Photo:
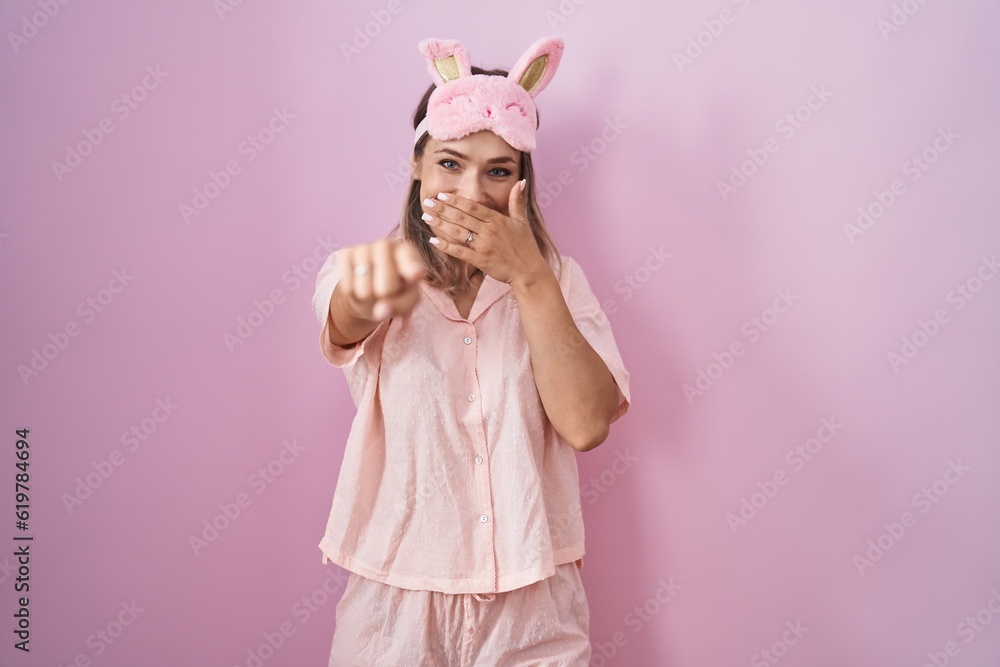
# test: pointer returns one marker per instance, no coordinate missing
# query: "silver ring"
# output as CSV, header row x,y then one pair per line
x,y
468,241
362,269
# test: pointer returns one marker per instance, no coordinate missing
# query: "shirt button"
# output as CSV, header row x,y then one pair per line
x,y
483,518
468,340
472,397
479,459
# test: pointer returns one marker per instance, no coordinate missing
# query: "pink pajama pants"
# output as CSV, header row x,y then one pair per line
x,y
544,624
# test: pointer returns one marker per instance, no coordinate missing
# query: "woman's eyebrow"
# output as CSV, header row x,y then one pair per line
x,y
494,160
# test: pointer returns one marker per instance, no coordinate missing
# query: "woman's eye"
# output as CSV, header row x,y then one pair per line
x,y
451,165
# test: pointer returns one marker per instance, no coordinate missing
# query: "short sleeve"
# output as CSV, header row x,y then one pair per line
x,y
594,325
326,281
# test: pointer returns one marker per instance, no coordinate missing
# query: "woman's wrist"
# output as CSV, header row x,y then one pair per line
x,y
346,325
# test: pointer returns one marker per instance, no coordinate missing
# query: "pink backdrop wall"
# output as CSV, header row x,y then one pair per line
x,y
827,492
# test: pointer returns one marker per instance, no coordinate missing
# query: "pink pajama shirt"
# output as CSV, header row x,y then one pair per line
x,y
453,481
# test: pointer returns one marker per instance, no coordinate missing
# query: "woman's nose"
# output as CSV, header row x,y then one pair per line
x,y
472,188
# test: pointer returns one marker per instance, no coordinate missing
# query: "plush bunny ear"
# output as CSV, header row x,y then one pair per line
x,y
447,59
536,66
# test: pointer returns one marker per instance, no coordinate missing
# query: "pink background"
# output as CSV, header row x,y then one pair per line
x,y
671,134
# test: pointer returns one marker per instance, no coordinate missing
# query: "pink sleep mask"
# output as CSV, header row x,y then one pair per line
x,y
464,103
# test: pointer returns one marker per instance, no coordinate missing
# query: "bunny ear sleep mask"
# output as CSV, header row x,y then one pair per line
x,y
464,103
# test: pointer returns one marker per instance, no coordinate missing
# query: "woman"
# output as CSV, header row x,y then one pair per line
x,y
480,363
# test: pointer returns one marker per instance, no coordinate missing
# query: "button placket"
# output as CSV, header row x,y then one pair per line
x,y
472,397
481,472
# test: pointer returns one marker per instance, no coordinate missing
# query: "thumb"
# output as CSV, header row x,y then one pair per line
x,y
516,204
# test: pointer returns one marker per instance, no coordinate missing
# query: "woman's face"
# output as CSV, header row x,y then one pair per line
x,y
481,167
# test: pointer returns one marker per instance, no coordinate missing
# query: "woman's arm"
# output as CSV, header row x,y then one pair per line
x,y
577,390
345,328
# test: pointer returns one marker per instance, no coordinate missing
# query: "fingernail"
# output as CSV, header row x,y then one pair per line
x,y
522,183
429,203
443,196
381,310
427,216
435,240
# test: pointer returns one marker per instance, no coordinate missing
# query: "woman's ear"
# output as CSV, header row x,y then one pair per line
x,y
415,165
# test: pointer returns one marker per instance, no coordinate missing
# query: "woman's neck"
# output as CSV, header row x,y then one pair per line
x,y
471,271
476,277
